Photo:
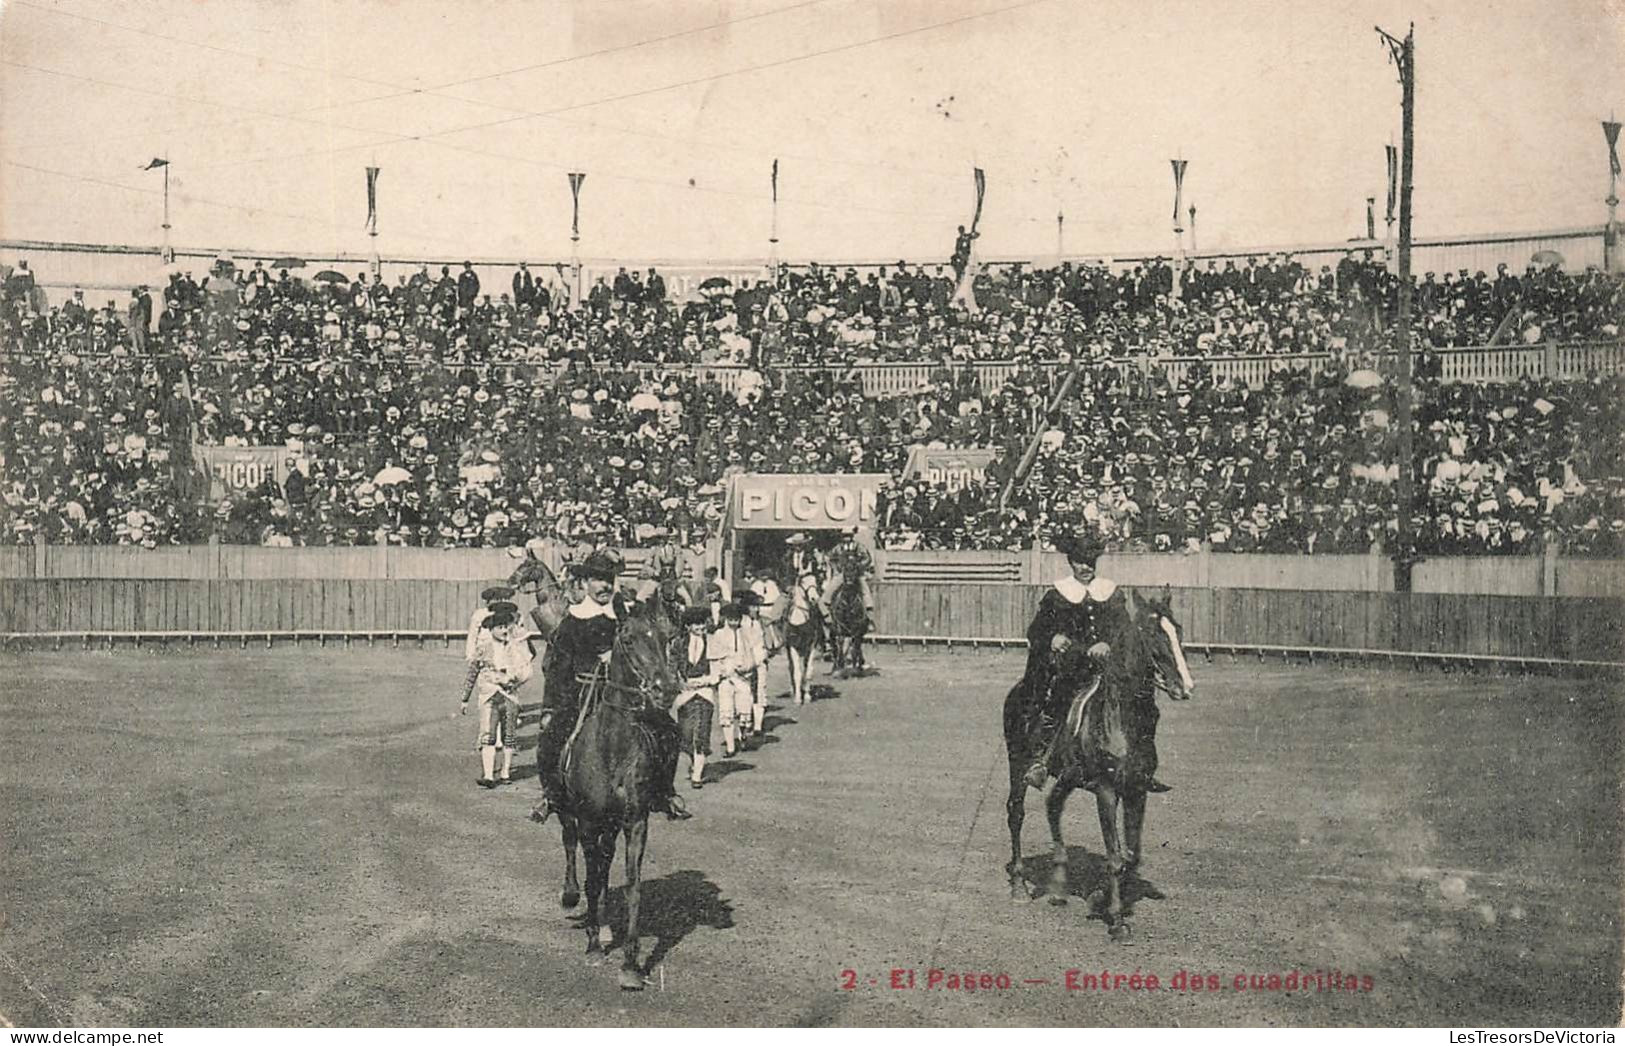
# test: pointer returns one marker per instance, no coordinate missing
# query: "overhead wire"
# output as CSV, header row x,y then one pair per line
x,y
434,136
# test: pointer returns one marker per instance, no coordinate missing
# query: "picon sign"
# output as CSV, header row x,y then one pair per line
x,y
790,501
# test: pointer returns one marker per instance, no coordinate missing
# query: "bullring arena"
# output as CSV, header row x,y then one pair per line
x,y
394,401
287,836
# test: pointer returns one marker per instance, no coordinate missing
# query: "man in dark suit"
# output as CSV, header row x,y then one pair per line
x,y
581,642
140,316
524,286
468,287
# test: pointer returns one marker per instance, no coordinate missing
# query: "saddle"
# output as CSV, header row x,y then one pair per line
x,y
1076,716
592,691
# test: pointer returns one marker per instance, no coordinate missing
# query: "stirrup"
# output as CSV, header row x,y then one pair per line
x,y
542,810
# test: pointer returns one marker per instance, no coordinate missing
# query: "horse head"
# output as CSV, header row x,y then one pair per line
x,y
552,605
639,660
1159,631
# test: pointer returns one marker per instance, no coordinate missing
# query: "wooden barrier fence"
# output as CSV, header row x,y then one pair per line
x,y
1569,629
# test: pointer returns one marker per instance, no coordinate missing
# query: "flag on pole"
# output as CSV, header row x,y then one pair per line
x,y
1393,180
160,162
1610,130
576,178
1179,185
372,199
981,192
775,181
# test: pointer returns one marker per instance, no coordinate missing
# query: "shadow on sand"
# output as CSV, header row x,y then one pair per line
x,y
1086,873
672,907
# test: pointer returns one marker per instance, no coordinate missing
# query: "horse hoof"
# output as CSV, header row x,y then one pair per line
x,y
1097,898
1120,932
632,981
1020,893
606,936
1057,899
595,957
569,899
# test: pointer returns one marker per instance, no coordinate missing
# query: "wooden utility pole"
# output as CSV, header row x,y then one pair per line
x,y
1403,53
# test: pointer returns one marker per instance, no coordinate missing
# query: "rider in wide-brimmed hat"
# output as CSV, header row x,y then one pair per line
x,y
580,645
1082,610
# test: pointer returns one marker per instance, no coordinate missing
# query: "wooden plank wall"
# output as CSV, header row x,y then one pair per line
x,y
285,605
1567,628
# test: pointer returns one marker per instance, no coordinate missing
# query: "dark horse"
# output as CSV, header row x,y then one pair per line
x,y
610,768
535,578
848,624
1109,747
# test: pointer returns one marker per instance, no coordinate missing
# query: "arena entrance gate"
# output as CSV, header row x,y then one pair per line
x,y
764,509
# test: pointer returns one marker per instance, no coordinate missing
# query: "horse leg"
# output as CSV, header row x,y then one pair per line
x,y
1133,823
637,836
1054,804
597,874
1106,801
571,896
1015,812
795,673
606,854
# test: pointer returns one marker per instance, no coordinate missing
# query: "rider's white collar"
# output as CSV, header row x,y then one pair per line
x,y
1075,591
588,609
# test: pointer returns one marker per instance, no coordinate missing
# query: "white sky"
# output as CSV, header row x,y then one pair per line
x,y
270,111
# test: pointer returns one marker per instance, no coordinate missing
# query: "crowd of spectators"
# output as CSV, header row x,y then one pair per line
x,y
427,413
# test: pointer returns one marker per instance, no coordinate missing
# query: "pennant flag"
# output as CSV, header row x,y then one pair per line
x,y
1370,217
1610,130
372,199
159,162
981,192
1179,185
576,178
1393,180
775,181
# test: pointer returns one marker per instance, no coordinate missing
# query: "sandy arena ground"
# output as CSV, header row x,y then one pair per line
x,y
294,836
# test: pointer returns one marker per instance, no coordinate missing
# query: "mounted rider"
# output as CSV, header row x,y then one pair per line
x,y
849,560
575,656
660,577
1082,611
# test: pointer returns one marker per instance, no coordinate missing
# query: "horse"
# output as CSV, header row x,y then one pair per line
x,y
535,578
1109,748
609,770
848,624
801,628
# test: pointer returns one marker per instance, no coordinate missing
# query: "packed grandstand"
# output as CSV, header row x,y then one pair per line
x,y
434,412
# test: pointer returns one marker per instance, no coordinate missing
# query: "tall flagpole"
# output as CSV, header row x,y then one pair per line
x,y
372,218
576,178
1179,184
1192,213
773,230
169,252
1611,261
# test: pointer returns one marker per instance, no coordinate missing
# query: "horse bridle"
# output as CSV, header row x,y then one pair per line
x,y
646,690
1159,677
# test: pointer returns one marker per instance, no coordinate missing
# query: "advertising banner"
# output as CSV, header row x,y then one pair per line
x,y
787,501
955,467
234,471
